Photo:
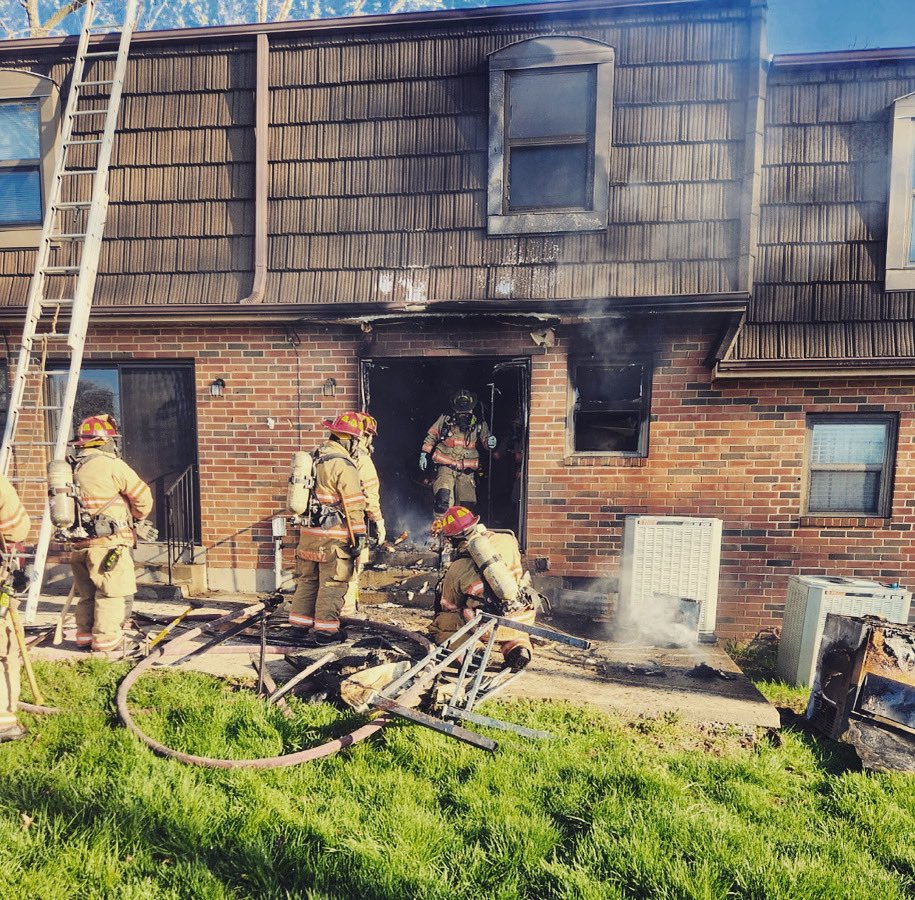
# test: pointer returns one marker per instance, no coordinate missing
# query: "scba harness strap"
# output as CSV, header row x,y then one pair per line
x,y
326,515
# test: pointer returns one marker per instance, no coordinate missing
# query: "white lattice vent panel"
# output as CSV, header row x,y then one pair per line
x,y
671,555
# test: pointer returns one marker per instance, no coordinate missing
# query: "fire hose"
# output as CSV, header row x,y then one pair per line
x,y
270,762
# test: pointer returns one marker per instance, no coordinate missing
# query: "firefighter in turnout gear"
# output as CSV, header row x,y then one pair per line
x,y
453,441
332,536
368,477
111,497
465,589
14,526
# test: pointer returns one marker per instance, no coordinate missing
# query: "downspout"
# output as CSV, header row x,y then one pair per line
x,y
261,164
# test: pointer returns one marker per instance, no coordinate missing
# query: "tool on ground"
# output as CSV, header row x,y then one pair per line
x,y
300,677
67,260
472,686
62,618
238,628
168,628
270,686
16,625
262,657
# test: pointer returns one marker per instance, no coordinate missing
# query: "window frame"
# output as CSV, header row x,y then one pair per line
x,y
887,469
554,52
900,232
577,362
17,85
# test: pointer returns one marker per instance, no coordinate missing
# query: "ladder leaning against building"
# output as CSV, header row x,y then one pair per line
x,y
63,284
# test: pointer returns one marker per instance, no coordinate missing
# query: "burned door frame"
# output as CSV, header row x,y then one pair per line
x,y
522,364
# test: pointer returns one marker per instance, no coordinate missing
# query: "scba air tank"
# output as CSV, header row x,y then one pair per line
x,y
301,481
61,499
493,568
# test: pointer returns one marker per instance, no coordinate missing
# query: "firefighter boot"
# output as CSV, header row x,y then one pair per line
x,y
517,658
12,733
324,638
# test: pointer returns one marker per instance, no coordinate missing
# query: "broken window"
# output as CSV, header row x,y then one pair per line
x,y
610,408
900,238
550,105
850,464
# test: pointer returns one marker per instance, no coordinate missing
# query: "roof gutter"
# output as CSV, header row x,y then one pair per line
x,y
835,57
357,313
261,164
364,23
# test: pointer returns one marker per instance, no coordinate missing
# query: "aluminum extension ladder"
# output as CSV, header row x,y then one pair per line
x,y
473,684
63,284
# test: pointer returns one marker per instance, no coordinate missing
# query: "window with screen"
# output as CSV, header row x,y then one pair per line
x,y
20,162
610,408
550,140
549,120
28,133
850,464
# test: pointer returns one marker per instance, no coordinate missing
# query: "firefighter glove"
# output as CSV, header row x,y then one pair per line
x,y
491,442
380,531
359,545
423,462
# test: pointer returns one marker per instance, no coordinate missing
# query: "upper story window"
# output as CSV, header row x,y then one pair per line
x,y
550,104
610,408
900,236
20,162
850,462
28,131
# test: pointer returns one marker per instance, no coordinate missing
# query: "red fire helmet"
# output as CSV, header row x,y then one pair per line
x,y
346,424
457,520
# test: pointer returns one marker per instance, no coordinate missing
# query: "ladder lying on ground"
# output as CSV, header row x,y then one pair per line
x,y
62,287
473,684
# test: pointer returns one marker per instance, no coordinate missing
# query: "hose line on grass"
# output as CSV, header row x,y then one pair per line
x,y
269,762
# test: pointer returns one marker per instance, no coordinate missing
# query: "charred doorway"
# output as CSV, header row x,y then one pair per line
x,y
407,394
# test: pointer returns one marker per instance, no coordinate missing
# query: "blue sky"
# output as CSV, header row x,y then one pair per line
x,y
797,26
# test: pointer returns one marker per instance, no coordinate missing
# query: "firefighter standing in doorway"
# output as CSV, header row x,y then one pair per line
x,y
112,498
453,441
465,589
371,487
14,526
333,537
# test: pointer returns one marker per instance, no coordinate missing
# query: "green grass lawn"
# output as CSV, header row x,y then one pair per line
x,y
655,808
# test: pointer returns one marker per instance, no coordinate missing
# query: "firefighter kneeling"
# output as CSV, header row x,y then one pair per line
x,y
332,536
111,496
485,575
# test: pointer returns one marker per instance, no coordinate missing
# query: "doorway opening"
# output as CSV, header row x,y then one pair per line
x,y
407,394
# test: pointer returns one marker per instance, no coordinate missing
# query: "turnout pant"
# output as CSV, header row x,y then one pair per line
x,y
102,596
9,673
451,487
321,585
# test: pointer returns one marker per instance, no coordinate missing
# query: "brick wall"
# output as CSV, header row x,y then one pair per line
x,y
733,450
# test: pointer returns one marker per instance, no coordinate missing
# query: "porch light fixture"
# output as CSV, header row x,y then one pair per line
x,y
330,387
217,387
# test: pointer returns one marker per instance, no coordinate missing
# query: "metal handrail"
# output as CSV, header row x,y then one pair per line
x,y
181,518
